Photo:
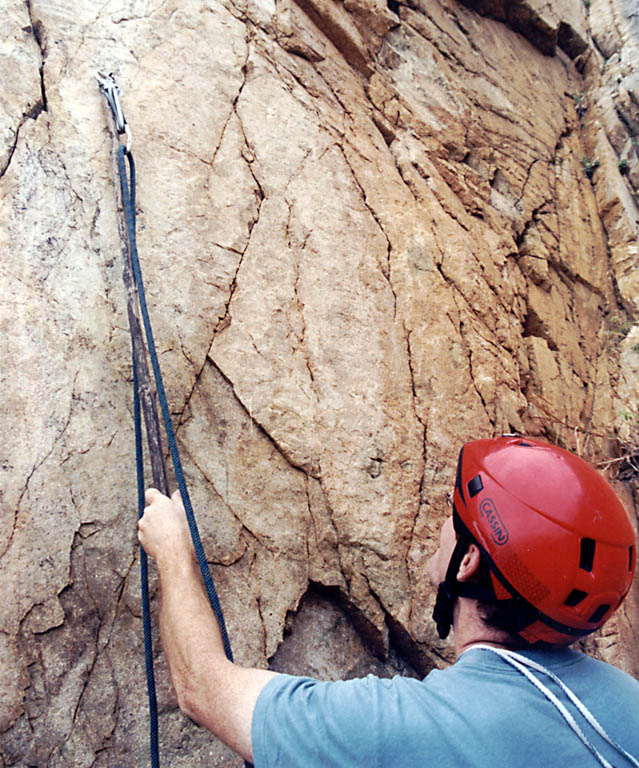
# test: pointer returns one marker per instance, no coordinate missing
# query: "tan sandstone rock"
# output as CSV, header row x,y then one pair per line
x,y
369,232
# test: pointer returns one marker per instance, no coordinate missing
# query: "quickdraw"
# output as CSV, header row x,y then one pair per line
x,y
143,395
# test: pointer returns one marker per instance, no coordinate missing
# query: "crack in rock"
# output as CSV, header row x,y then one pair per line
x,y
39,36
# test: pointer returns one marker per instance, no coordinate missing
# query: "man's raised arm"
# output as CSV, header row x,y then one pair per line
x,y
211,690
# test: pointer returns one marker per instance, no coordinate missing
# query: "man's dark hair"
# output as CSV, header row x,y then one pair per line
x,y
499,614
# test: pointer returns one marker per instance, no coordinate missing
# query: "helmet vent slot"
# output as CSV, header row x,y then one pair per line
x,y
631,558
575,597
587,555
524,444
458,479
599,613
475,486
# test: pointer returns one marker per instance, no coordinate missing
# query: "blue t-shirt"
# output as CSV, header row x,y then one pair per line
x,y
478,712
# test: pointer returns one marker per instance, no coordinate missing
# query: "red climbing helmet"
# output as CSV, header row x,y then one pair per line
x,y
558,542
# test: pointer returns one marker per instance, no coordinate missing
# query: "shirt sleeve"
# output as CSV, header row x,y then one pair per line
x,y
299,721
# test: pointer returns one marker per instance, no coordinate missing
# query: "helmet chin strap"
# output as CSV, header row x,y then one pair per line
x,y
450,589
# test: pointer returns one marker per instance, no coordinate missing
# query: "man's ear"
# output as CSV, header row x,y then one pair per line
x,y
469,564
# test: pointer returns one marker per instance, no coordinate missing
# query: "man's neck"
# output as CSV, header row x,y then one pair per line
x,y
469,629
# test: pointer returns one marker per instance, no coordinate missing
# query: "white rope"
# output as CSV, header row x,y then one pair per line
x,y
523,665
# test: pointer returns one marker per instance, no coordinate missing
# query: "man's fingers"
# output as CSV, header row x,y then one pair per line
x,y
151,495
177,498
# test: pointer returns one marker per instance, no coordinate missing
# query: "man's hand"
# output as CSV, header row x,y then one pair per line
x,y
163,530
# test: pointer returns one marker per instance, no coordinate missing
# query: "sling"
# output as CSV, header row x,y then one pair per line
x,y
523,665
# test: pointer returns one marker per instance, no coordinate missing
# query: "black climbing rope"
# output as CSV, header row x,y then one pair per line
x,y
143,401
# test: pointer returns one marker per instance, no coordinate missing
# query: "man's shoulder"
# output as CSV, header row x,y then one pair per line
x,y
609,675
584,674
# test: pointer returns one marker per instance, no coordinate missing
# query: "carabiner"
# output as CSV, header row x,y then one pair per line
x,y
111,92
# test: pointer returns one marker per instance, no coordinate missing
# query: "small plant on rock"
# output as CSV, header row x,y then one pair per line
x,y
590,166
623,167
619,326
626,464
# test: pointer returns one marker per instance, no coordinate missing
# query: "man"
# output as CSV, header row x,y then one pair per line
x,y
539,552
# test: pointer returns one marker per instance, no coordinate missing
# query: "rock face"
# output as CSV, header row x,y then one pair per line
x,y
369,233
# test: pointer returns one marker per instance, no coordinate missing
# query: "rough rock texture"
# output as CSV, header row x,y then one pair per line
x,y
369,232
